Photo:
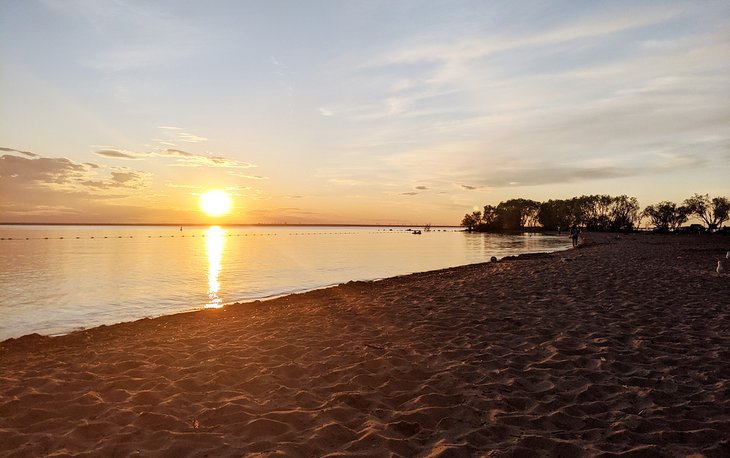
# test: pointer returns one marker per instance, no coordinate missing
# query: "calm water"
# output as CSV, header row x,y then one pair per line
x,y
55,279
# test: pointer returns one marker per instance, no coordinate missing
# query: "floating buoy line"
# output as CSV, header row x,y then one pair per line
x,y
99,237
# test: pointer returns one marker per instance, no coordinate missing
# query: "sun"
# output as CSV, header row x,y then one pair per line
x,y
216,202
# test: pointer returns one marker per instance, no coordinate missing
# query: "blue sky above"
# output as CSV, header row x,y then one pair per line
x,y
361,112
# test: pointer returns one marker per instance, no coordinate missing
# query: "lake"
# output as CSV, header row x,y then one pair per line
x,y
56,279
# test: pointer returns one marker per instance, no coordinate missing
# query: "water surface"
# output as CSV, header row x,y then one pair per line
x,y
55,279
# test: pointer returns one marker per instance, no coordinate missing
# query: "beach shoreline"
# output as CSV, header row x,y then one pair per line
x,y
620,346
258,300
128,274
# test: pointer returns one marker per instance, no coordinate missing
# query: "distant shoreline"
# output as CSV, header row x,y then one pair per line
x,y
224,225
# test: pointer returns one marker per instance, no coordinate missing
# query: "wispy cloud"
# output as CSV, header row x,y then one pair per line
x,y
250,177
182,158
151,37
163,142
171,134
184,186
187,159
12,150
345,181
39,210
174,153
277,63
600,24
118,154
191,138
282,76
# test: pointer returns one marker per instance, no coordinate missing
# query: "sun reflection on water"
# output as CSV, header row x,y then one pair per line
x,y
215,239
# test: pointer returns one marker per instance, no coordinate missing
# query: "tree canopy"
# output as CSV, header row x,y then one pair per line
x,y
597,213
713,211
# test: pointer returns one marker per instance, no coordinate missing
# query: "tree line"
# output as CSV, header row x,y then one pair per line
x,y
597,213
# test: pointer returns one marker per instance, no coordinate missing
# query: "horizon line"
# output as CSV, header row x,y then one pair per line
x,y
226,224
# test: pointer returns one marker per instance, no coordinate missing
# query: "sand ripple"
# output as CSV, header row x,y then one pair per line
x,y
618,349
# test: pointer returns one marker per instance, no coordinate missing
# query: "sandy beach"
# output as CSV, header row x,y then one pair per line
x,y
619,348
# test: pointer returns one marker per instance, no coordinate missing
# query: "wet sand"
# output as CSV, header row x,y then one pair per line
x,y
619,348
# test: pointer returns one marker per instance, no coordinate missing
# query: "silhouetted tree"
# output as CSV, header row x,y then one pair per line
x,y
625,213
555,214
666,216
471,221
595,212
517,213
489,216
713,211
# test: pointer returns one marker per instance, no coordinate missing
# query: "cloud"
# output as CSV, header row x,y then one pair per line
x,y
184,186
61,175
548,174
278,63
163,142
175,153
131,180
197,160
117,154
552,175
39,210
125,177
421,188
191,138
467,187
182,158
173,133
472,48
324,111
11,150
250,177
96,184
345,181
132,37
410,193
41,170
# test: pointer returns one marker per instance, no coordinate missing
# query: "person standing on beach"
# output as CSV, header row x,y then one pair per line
x,y
574,231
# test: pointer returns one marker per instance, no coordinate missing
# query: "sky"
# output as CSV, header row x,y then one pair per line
x,y
360,112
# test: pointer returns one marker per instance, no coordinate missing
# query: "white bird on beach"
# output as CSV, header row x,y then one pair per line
x,y
720,268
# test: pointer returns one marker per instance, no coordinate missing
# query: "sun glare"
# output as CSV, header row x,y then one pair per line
x,y
214,243
216,202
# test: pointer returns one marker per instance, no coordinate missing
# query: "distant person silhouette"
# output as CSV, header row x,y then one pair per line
x,y
574,231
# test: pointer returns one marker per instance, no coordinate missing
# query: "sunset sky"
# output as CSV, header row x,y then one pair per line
x,y
375,112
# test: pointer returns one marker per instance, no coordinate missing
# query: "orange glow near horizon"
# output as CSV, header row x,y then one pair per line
x,y
216,203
